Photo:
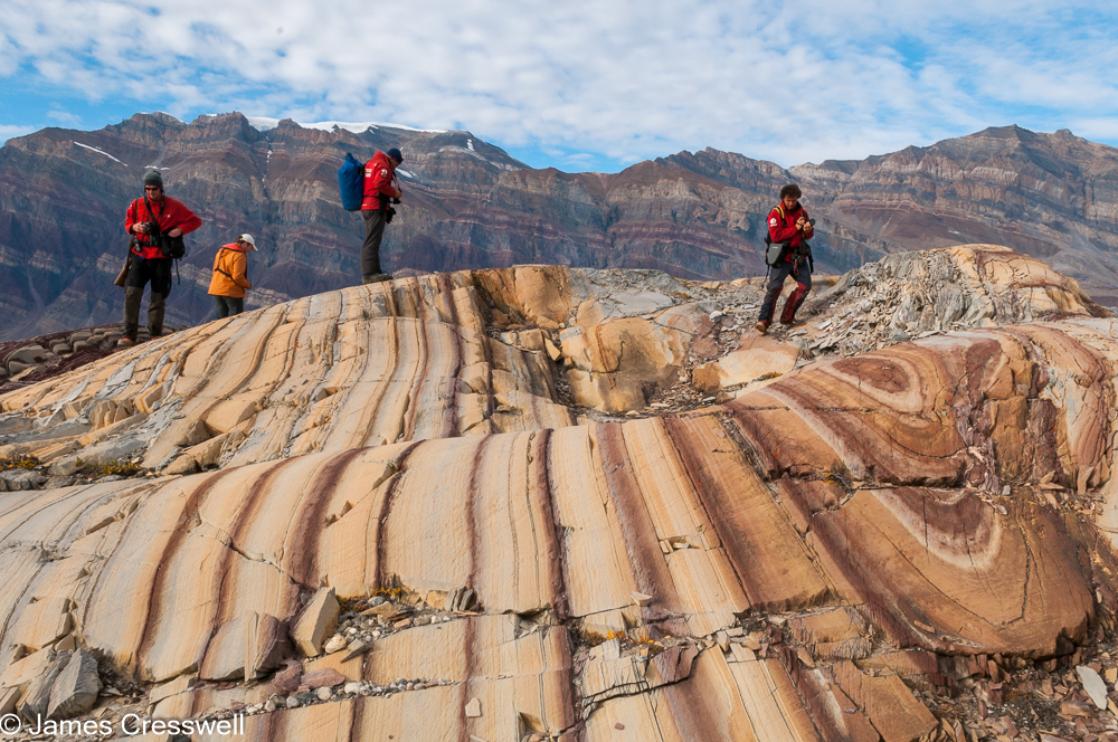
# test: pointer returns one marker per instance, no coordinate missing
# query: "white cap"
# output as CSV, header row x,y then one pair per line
x,y
246,237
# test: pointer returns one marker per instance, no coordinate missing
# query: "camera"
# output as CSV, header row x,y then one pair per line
x,y
389,214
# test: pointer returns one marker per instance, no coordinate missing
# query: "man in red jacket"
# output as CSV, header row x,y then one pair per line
x,y
790,226
146,220
380,189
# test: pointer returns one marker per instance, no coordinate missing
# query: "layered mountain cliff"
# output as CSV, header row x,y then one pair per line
x,y
1053,196
469,205
543,502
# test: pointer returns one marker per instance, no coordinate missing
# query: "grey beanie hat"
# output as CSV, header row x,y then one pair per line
x,y
153,178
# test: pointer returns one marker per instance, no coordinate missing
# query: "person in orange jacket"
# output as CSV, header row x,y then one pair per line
x,y
380,189
230,278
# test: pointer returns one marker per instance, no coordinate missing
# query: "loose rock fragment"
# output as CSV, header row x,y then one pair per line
x,y
318,620
324,678
1093,684
8,698
336,643
36,701
75,690
267,645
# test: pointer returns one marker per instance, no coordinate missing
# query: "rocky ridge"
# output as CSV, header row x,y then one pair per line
x,y
892,521
470,205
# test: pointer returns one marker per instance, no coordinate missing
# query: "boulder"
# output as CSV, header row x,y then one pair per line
x,y
75,689
27,355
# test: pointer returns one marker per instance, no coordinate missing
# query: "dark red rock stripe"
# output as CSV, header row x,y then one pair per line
x,y
646,561
178,535
309,524
380,577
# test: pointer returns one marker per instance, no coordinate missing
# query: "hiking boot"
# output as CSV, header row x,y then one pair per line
x,y
125,342
762,326
376,278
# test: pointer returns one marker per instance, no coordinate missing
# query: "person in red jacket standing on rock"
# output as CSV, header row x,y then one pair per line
x,y
380,190
790,226
148,219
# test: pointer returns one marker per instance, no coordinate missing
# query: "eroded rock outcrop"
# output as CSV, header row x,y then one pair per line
x,y
840,547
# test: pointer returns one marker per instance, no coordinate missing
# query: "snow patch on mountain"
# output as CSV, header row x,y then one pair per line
x,y
100,152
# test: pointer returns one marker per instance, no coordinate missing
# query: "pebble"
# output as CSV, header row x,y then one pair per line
x,y
352,688
323,694
336,643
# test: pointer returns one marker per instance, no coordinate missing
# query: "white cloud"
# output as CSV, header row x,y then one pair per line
x,y
10,131
61,116
1096,128
629,80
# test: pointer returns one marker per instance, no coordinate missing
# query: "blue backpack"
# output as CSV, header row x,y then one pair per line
x,y
351,183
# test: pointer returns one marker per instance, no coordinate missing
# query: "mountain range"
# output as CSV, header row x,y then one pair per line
x,y
468,203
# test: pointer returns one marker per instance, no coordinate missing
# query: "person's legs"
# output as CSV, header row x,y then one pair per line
x,y
222,307
138,277
236,304
156,306
370,250
160,288
802,276
777,274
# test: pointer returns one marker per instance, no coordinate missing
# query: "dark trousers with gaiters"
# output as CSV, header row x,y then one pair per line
x,y
141,272
801,274
370,250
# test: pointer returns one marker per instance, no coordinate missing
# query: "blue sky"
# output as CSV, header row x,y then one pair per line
x,y
579,86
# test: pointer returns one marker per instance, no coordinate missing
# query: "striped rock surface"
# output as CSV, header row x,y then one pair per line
x,y
804,560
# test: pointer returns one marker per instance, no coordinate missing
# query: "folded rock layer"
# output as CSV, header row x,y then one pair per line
x,y
809,556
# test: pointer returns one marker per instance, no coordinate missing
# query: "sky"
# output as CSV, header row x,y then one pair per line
x,y
581,86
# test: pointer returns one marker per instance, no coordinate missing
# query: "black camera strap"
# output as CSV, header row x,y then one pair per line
x,y
158,232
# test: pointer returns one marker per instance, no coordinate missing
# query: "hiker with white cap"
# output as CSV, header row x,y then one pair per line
x,y
230,278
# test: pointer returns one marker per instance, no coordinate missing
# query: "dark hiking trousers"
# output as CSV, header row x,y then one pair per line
x,y
227,305
800,272
370,251
141,272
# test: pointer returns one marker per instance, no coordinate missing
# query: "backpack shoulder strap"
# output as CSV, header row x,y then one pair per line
x,y
780,210
218,269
